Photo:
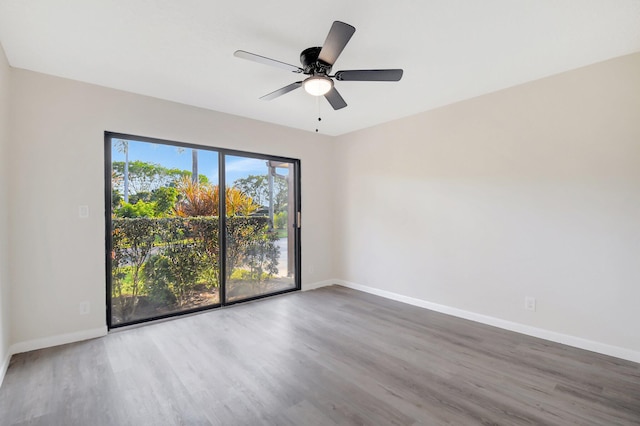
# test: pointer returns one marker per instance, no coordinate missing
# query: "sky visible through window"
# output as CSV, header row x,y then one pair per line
x,y
180,158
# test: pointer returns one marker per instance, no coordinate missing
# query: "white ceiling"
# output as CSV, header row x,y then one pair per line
x,y
182,51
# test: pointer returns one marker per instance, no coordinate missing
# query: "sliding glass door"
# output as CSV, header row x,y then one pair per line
x,y
265,262
176,245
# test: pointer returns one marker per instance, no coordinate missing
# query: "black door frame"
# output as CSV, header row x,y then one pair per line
x,y
222,153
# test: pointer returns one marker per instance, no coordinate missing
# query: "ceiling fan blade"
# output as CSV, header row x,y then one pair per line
x,y
369,75
281,91
335,99
338,37
266,61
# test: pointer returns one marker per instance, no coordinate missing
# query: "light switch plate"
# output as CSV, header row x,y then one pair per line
x,y
83,211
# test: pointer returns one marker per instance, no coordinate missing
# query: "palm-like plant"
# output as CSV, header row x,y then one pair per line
x,y
201,199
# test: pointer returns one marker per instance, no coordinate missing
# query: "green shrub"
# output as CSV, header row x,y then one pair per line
x,y
280,220
247,275
165,199
262,255
185,257
166,258
205,233
243,233
132,240
158,278
139,209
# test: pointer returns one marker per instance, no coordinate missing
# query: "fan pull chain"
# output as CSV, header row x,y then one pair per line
x,y
319,118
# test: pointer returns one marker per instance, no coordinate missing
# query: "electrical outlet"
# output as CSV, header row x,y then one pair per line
x,y
530,303
311,269
84,308
83,211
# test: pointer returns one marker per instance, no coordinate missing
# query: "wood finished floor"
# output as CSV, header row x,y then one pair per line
x,y
323,357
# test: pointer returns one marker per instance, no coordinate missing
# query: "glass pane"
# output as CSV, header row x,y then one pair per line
x,y
164,230
260,211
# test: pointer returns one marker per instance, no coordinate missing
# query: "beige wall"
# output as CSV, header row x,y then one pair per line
x,y
530,191
4,220
58,164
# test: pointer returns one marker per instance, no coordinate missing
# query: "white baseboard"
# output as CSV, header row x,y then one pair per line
x,y
553,336
60,339
313,286
578,342
47,342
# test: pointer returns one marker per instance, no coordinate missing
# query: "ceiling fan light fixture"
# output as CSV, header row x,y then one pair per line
x,y
317,85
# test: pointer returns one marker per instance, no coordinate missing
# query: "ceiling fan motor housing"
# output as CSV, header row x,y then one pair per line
x,y
312,65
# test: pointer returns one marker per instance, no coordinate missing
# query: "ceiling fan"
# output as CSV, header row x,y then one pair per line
x,y
317,63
